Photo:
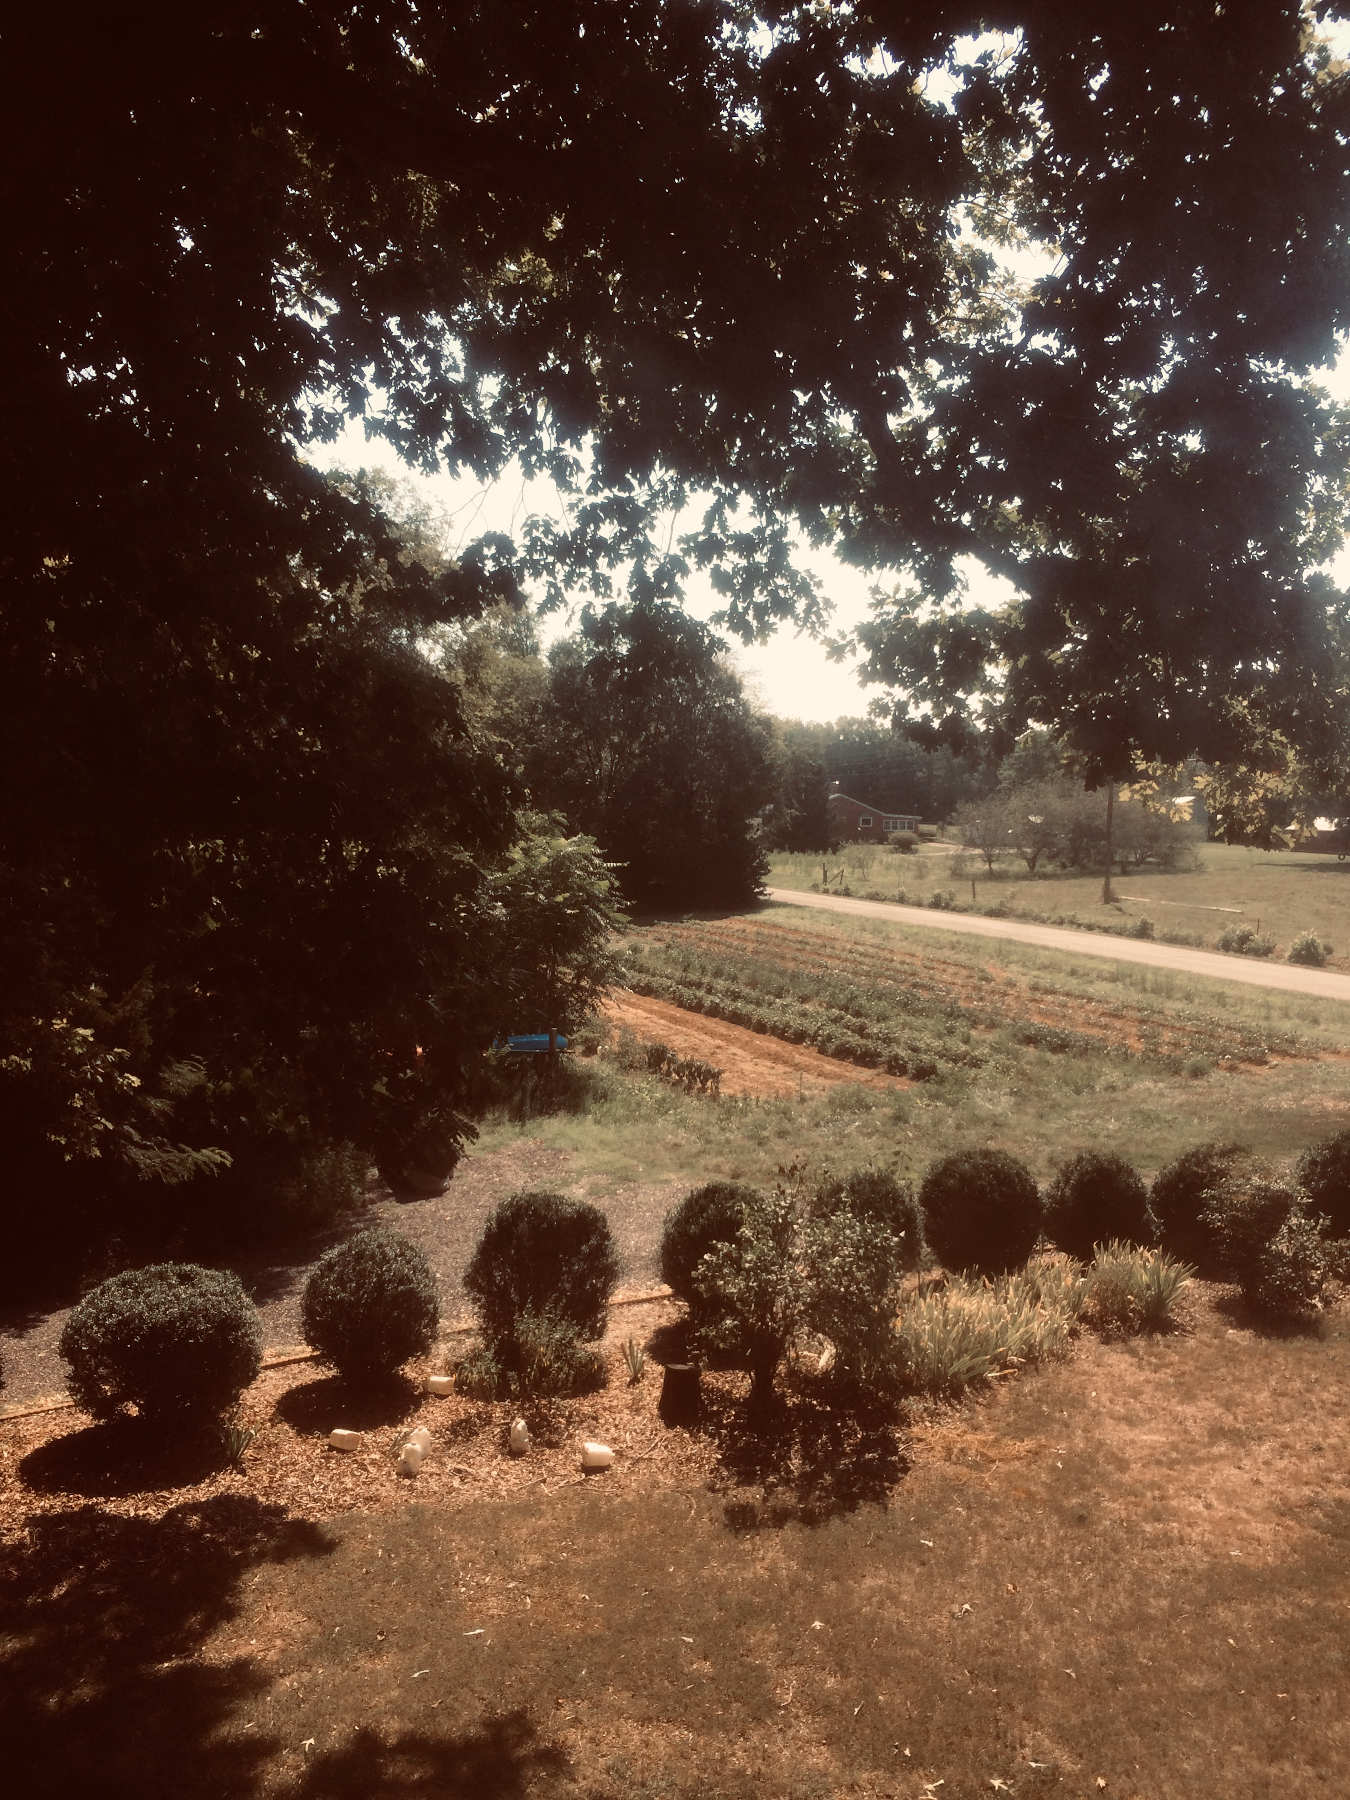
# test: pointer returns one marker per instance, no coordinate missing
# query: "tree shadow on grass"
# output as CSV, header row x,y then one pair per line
x,y
102,1620
504,1759
1245,1317
814,1455
318,1407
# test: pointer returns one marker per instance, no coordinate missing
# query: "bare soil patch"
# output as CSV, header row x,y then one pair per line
x,y
751,1062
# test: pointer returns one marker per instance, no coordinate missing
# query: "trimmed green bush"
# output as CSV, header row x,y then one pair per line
x,y
542,1252
1183,1190
1245,940
370,1304
982,1210
1323,1173
1310,950
707,1216
876,1195
1094,1198
1288,1276
173,1340
1244,1213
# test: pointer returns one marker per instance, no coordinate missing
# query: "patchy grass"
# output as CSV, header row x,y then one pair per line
x,y
1283,893
1120,1575
1138,1080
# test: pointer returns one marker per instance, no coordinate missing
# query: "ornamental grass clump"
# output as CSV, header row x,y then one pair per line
x,y
970,1331
1095,1198
1132,1290
176,1342
369,1305
982,1211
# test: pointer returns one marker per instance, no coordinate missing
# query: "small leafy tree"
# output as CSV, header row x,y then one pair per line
x,y
788,1272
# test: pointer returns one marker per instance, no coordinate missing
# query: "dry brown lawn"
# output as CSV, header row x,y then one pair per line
x,y
1122,1576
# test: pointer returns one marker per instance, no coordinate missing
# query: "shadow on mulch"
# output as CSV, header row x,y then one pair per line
x,y
504,1759
102,1618
316,1407
813,1456
122,1457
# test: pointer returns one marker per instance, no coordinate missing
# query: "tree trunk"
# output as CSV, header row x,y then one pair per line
x,y
1107,895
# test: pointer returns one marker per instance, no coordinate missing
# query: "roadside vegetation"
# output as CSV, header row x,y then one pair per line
x,y
1282,895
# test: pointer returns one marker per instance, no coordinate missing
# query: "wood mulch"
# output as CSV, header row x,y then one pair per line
x,y
52,1460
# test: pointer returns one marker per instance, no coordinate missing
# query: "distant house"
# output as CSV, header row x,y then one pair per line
x,y
853,820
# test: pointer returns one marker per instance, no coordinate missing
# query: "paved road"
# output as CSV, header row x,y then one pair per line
x,y
1292,979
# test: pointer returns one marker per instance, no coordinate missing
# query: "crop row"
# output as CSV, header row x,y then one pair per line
x,y
798,1022
777,960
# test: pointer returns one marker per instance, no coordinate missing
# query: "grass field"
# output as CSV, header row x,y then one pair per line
x,y
1143,1062
1283,893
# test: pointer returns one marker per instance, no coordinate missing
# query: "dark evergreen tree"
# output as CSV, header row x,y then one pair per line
x,y
647,742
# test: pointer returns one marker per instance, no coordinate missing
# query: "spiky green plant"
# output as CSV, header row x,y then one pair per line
x,y
1131,1290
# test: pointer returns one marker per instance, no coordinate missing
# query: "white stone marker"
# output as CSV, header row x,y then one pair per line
x,y
346,1440
410,1459
422,1438
440,1384
596,1456
518,1438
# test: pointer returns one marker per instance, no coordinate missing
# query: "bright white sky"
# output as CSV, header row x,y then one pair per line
x,y
790,675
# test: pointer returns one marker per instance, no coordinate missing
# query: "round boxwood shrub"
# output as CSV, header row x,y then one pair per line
x,y
1323,1173
543,1253
173,1340
1244,1214
710,1215
370,1304
876,1194
981,1210
1287,1277
1096,1198
1183,1190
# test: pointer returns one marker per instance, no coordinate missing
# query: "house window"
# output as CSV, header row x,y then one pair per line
x,y
864,820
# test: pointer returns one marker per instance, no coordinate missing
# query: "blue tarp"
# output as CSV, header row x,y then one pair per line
x,y
532,1042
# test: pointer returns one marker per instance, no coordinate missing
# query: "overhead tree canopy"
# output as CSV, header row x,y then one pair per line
x,y
739,252
664,252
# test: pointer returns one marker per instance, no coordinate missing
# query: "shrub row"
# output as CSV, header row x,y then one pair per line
x,y
177,1342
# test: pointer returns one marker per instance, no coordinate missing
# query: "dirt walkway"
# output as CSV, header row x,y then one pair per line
x,y
1290,978
751,1062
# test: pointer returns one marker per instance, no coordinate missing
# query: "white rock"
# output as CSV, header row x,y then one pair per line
x,y
596,1456
440,1384
518,1438
409,1459
346,1440
422,1438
